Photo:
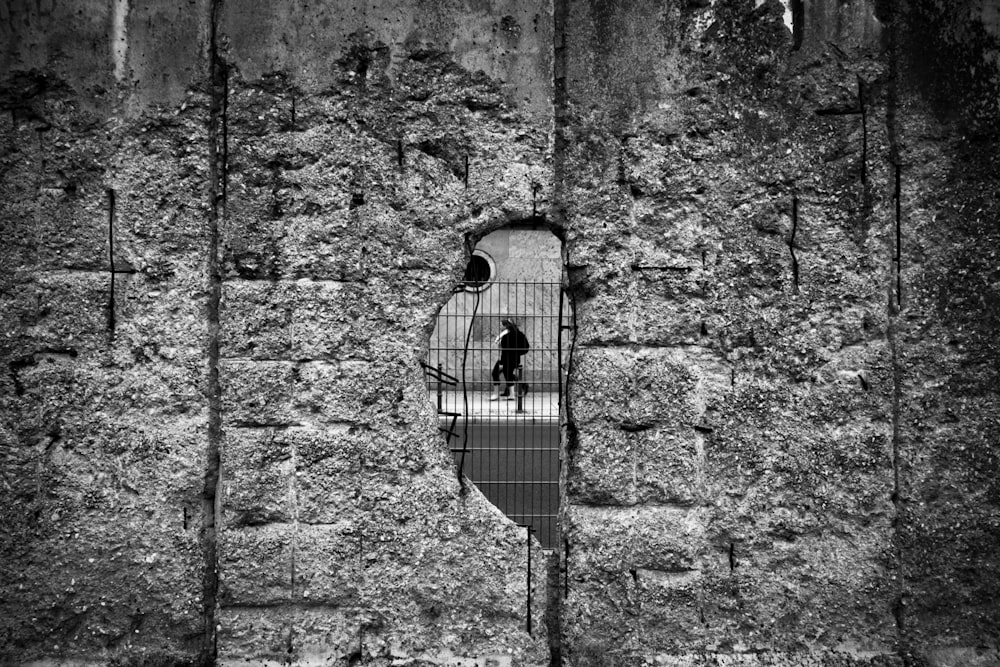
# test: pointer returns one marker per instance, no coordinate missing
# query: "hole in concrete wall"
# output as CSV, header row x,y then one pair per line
x,y
496,374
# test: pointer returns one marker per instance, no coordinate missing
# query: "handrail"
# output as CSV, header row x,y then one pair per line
x,y
439,374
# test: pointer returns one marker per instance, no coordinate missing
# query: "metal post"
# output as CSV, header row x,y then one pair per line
x,y
517,388
440,392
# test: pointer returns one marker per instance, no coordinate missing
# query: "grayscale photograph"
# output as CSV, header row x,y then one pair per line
x,y
500,333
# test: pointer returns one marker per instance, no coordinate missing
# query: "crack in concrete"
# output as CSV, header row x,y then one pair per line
x,y
892,334
217,163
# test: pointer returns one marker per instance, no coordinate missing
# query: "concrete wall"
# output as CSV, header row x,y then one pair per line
x,y
731,476
103,336
524,255
228,227
780,435
944,138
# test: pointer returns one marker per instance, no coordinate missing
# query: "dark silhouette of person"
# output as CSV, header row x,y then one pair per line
x,y
513,345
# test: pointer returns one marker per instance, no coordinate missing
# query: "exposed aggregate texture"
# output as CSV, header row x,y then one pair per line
x,y
228,227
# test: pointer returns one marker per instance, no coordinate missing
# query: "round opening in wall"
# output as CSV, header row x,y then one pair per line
x,y
479,272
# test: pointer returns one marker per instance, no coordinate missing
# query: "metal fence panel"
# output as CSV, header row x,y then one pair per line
x,y
509,447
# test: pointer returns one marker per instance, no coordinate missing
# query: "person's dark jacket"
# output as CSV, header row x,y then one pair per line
x,y
515,342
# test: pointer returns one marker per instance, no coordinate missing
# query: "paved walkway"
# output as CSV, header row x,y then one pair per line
x,y
536,406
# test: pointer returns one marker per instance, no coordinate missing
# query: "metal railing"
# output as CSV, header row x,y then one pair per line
x,y
507,445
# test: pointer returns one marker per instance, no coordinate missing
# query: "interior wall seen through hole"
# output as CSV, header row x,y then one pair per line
x,y
501,417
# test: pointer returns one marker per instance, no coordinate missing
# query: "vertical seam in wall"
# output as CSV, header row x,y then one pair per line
x,y
293,493
216,208
560,13
892,334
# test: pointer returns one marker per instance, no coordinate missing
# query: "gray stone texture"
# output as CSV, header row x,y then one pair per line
x,y
338,205
346,217
228,228
945,333
103,394
743,476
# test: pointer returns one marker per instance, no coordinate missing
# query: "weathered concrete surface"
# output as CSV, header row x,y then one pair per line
x,y
508,41
103,350
227,230
362,147
336,192
945,333
741,470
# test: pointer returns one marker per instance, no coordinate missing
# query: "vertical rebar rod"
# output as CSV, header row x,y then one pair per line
x,y
111,262
565,568
528,596
559,326
465,392
440,391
